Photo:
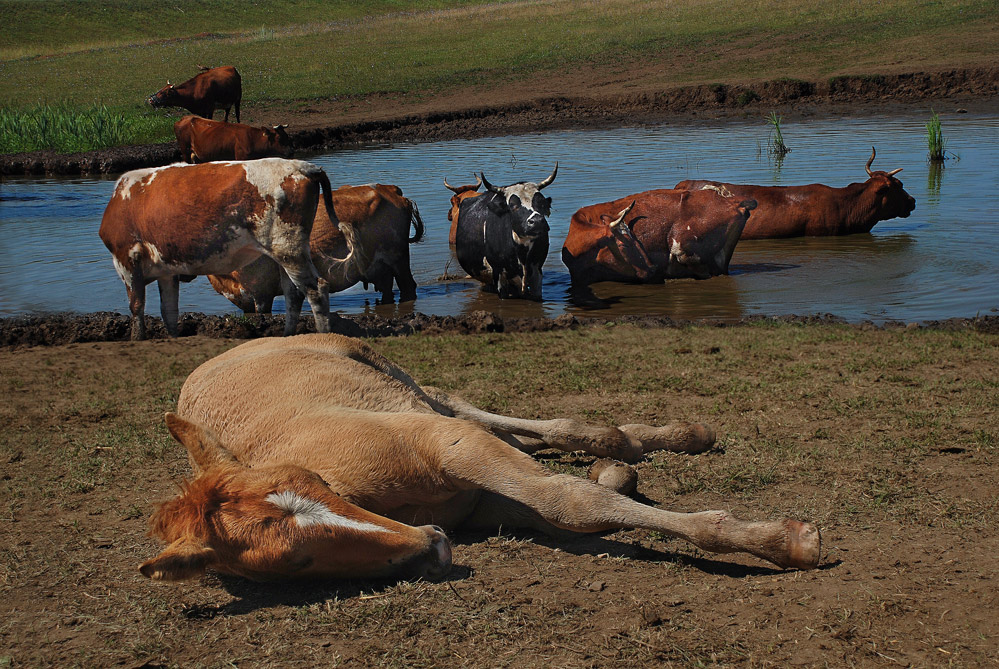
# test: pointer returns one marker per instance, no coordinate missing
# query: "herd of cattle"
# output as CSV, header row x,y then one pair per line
x,y
244,213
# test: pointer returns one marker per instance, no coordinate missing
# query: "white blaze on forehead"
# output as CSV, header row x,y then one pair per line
x,y
525,192
310,512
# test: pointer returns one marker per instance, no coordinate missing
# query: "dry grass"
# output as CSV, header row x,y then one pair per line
x,y
884,438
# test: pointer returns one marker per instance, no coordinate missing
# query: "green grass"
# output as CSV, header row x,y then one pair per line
x,y
68,129
777,147
934,139
301,50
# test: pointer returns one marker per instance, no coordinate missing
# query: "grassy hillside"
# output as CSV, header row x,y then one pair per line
x,y
116,53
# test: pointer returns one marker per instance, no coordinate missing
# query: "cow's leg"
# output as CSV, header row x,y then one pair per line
x,y
404,279
137,303
473,458
170,303
627,442
236,105
306,280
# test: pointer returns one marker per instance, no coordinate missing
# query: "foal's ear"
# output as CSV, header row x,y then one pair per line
x,y
202,443
183,559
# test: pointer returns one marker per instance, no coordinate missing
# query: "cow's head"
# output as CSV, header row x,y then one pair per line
x,y
890,198
278,521
278,141
701,246
165,97
524,206
611,245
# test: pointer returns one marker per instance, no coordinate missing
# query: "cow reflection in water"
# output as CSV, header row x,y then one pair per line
x,y
316,456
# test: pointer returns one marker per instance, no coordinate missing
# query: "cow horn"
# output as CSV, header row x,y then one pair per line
x,y
550,178
168,83
456,189
869,162
620,217
894,172
489,186
282,125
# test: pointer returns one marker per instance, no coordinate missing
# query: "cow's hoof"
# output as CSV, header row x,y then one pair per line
x,y
804,543
617,476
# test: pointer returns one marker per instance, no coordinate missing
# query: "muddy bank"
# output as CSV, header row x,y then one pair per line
x,y
957,89
59,329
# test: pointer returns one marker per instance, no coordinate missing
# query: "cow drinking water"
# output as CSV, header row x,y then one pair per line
x,y
202,140
501,238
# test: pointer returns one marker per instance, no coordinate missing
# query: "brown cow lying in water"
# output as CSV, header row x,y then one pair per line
x,y
202,140
316,456
818,210
171,224
380,218
655,235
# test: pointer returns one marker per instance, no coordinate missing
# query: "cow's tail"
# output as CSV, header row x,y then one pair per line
x,y
416,221
327,191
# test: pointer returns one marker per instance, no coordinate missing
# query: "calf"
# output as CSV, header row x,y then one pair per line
x,y
378,253
215,88
316,456
655,235
170,224
502,237
818,210
202,140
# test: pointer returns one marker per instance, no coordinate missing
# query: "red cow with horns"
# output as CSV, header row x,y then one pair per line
x,y
817,210
215,88
655,235
202,140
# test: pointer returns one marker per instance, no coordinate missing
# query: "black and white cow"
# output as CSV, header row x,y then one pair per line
x,y
502,237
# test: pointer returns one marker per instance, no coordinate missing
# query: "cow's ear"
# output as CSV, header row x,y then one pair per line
x,y
498,205
183,559
202,444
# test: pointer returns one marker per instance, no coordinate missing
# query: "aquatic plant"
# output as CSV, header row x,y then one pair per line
x,y
777,147
68,129
935,140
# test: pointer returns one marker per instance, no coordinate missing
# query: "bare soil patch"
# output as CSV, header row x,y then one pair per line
x,y
885,437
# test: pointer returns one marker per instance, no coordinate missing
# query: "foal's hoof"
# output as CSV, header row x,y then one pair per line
x,y
675,437
615,475
804,543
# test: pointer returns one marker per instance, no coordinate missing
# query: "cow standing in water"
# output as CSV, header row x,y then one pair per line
x,y
215,88
316,456
655,235
380,218
460,193
502,237
202,140
819,210
170,224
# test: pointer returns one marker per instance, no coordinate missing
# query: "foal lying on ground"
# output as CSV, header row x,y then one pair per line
x,y
316,456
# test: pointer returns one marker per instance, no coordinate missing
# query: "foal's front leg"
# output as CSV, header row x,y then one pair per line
x,y
627,442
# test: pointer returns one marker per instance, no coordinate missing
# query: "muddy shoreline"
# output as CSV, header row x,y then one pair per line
x,y
60,329
953,90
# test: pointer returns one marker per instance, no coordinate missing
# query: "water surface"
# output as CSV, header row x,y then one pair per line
x,y
940,262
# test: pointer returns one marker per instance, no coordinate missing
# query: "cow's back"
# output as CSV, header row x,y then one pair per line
x,y
470,236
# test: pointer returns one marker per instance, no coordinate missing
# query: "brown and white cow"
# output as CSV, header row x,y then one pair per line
x,y
202,140
170,224
460,193
819,210
297,443
215,88
380,218
655,235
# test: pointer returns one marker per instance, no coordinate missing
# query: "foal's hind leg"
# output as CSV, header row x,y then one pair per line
x,y
473,458
627,442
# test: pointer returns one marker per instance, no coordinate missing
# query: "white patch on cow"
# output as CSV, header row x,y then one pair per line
x,y
308,512
521,241
526,193
128,180
675,249
267,174
721,190
123,273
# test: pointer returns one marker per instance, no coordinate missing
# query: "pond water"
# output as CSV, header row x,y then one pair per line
x,y
941,262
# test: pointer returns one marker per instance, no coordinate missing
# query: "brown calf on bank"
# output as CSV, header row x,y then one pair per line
x,y
202,140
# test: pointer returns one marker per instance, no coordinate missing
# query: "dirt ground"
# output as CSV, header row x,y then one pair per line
x,y
886,438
